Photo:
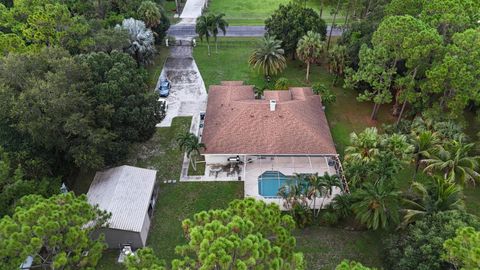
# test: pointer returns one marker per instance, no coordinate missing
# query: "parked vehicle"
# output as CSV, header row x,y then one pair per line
x,y
164,89
163,103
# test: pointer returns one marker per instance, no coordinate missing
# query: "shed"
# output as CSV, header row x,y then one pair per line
x,y
128,193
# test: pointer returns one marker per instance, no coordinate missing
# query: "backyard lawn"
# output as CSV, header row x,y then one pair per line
x,y
325,247
179,201
254,12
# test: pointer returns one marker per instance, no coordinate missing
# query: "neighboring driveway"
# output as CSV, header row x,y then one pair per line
x,y
188,30
188,95
192,9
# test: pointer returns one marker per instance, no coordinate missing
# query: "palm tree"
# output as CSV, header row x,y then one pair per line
x,y
218,22
364,147
376,205
445,130
293,195
203,27
268,57
453,160
441,195
316,189
329,182
423,142
284,193
150,13
337,60
190,143
399,146
141,39
309,49
342,205
333,24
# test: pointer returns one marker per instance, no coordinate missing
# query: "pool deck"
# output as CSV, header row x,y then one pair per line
x,y
287,166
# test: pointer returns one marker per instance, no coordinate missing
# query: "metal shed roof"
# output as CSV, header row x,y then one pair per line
x,y
125,192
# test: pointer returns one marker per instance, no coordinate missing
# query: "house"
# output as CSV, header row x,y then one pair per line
x,y
128,193
265,142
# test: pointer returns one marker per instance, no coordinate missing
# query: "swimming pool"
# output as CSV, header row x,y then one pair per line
x,y
271,181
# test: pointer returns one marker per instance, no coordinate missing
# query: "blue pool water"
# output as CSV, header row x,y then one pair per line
x,y
271,181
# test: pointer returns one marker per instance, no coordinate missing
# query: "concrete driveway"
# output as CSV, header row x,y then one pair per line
x,y
188,95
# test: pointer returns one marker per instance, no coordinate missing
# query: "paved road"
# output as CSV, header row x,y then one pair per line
x,y
188,30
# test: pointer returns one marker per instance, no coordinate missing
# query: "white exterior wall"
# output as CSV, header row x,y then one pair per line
x,y
145,227
220,159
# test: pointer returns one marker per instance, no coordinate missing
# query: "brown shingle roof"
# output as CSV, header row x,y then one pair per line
x,y
237,123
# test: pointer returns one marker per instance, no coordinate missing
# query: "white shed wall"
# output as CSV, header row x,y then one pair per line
x,y
146,226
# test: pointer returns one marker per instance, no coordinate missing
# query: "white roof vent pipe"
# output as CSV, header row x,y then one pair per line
x,y
273,105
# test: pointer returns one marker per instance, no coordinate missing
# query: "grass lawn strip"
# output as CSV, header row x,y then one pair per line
x,y
254,12
326,247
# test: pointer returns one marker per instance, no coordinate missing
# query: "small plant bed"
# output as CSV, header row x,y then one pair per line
x,y
200,169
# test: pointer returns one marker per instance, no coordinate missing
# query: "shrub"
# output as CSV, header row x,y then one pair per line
x,y
328,97
330,218
342,205
420,245
281,84
351,265
302,215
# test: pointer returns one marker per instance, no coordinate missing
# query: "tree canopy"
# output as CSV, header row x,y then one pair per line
x,y
70,111
247,234
462,250
291,22
54,231
420,246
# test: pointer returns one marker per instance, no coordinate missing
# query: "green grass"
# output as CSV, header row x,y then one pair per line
x,y
169,7
179,201
155,68
472,199
325,247
254,12
200,167
161,152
